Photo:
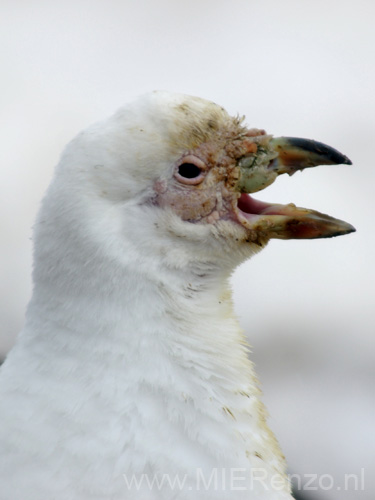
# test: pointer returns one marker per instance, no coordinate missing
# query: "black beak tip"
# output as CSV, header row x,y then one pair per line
x,y
336,157
324,155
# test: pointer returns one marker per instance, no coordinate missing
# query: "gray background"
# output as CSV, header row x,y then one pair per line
x,y
293,67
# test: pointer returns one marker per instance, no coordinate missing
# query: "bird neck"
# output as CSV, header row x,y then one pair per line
x,y
182,313
162,350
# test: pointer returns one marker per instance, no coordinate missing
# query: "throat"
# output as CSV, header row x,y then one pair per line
x,y
173,332
163,359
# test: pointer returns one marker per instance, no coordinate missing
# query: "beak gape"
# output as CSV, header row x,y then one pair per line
x,y
280,155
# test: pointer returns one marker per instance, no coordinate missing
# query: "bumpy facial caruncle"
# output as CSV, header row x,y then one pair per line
x,y
213,183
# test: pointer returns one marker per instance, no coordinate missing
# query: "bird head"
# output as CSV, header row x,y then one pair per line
x,y
181,171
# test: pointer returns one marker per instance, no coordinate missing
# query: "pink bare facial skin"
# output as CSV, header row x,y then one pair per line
x,y
211,195
224,161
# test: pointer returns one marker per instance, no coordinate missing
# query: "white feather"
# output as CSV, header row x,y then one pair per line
x,y
131,360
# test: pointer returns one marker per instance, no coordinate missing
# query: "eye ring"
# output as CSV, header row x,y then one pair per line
x,y
190,170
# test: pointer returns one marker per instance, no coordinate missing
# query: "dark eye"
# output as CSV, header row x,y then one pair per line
x,y
189,170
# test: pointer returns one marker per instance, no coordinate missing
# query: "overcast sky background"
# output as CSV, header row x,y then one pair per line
x,y
292,67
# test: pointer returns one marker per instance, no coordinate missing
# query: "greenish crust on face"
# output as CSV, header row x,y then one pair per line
x,y
273,156
255,170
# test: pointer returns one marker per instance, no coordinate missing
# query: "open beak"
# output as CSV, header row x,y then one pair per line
x,y
273,157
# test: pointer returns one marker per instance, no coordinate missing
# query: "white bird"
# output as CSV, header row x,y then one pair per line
x,y
131,377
